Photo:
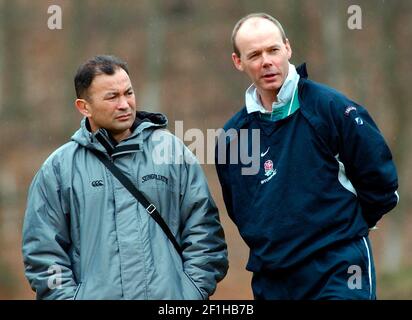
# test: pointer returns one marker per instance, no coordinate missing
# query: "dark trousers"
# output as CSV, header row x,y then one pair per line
x,y
343,272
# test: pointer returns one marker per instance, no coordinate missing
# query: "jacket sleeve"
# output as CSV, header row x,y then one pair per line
x,y
367,160
46,239
202,237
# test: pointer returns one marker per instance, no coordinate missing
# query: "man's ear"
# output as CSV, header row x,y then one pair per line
x,y
81,105
288,48
237,62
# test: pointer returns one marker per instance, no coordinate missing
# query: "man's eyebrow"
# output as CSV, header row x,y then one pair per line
x,y
274,46
111,92
248,55
115,92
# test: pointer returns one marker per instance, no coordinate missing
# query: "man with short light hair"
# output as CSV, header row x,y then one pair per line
x,y
326,176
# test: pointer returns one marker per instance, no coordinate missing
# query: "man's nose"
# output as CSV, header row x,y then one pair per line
x,y
123,103
266,61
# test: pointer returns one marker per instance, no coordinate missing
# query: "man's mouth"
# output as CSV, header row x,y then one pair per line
x,y
269,76
124,116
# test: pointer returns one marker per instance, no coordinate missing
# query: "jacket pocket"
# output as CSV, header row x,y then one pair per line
x,y
76,293
366,265
190,289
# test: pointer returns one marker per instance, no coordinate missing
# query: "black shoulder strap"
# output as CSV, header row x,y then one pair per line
x,y
150,207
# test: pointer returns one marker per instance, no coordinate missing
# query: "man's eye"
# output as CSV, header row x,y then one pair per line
x,y
129,93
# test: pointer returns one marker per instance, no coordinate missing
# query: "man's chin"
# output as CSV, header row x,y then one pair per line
x,y
120,128
124,125
271,87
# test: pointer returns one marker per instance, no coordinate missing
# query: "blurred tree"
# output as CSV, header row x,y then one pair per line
x,y
1,107
394,79
2,45
7,281
155,52
9,196
77,37
178,8
297,38
12,27
332,25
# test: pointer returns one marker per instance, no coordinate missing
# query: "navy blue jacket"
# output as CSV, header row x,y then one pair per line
x,y
326,176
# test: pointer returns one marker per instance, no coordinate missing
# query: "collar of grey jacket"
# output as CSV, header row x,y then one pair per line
x,y
112,146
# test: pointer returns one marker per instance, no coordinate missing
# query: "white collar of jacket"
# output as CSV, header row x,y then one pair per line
x,y
285,94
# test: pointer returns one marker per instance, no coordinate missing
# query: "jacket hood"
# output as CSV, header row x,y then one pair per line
x,y
143,126
302,71
155,118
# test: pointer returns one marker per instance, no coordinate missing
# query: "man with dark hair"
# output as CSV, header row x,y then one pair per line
x,y
93,67
326,175
85,236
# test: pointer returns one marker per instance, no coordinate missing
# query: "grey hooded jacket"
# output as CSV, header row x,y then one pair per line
x,y
86,237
